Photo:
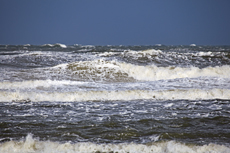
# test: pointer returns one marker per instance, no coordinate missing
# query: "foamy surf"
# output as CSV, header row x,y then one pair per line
x,y
114,98
152,73
102,70
190,94
34,145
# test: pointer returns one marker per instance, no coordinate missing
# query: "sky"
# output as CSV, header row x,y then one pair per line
x,y
115,22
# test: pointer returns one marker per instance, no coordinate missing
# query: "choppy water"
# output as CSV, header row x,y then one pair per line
x,y
58,98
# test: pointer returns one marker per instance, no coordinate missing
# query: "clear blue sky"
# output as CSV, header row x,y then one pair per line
x,y
115,22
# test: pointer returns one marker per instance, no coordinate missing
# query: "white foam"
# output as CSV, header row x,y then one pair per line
x,y
105,54
142,53
100,63
151,51
61,45
191,94
164,55
36,146
152,72
204,54
57,44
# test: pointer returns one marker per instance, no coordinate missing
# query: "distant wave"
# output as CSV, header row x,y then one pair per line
x,y
55,45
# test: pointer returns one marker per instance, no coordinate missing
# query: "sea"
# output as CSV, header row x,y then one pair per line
x,y
57,98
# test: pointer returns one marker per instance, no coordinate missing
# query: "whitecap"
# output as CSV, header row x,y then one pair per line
x,y
31,144
61,45
191,94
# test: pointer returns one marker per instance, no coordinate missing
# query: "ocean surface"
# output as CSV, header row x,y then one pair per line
x,y
57,98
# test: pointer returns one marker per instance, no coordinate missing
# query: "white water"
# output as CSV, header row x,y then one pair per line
x,y
151,73
191,94
31,145
57,44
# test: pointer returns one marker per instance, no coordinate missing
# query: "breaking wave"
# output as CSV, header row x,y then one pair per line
x,y
191,94
55,45
118,71
33,145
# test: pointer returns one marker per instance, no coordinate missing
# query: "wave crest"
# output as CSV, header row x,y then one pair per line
x,y
97,70
102,70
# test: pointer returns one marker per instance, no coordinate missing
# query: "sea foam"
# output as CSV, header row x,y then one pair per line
x,y
191,94
36,146
152,72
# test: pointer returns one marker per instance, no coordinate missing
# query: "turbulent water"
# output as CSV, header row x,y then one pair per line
x,y
136,99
